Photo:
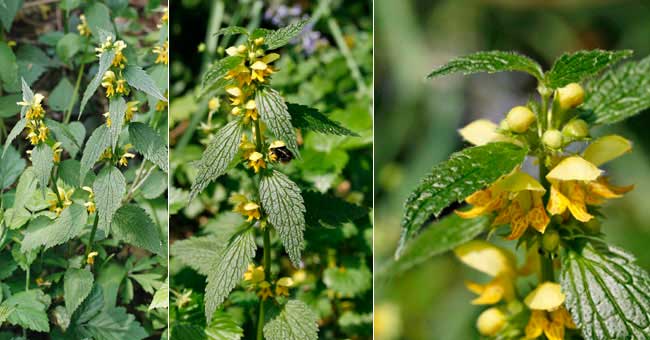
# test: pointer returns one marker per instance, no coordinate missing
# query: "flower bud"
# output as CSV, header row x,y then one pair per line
x,y
551,240
576,129
552,139
570,96
490,322
593,226
520,118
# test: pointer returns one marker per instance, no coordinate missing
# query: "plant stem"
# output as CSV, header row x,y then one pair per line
x,y
89,246
68,112
547,272
267,275
55,187
345,50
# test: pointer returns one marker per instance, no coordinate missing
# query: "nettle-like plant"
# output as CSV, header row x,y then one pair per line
x,y
260,139
585,288
81,228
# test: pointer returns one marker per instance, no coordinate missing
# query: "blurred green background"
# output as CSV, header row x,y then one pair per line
x,y
416,124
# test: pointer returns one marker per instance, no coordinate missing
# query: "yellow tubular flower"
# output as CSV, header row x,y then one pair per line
x,y
264,290
162,52
91,257
496,262
107,82
520,118
109,122
251,110
282,286
43,131
236,95
517,199
254,274
90,204
256,161
570,96
577,182
58,202
490,322
56,148
161,105
35,109
126,155
131,110
122,87
548,314
83,28
481,132
120,60
245,207
246,146
261,69
213,104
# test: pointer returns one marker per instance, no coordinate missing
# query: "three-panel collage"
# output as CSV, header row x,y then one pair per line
x,y
324,169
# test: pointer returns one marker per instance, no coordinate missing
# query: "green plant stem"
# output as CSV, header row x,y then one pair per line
x,y
547,271
93,231
55,186
68,112
335,29
267,275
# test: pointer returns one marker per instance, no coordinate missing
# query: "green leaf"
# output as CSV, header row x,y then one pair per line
x,y
223,327
282,202
228,270
98,141
77,284
452,181
154,185
147,142
15,131
9,67
11,166
198,252
29,310
445,235
310,119
282,36
161,298
133,225
8,106
44,232
70,135
296,322
619,93
607,293
16,216
8,14
232,30
69,46
105,61
217,156
59,99
349,282
273,111
109,188
99,19
112,324
576,67
43,162
490,62
213,79
69,174
28,96
139,79
338,211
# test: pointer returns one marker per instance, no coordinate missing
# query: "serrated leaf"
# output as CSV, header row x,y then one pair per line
x,y
273,111
112,324
69,45
15,131
282,202
576,67
139,79
349,282
452,181
619,93
198,252
133,225
43,162
70,135
216,157
607,293
60,97
310,119
99,20
109,188
77,284
8,106
296,322
161,298
228,270
9,67
11,166
274,39
223,327
98,141
338,211
213,80
29,310
44,232
231,31
445,235
105,61
187,331
147,142
116,110
490,62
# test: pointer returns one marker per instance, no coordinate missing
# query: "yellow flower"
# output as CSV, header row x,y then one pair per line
x,y
61,201
520,118
90,204
119,60
548,314
256,161
493,261
83,28
131,110
107,82
570,96
577,182
261,69
35,109
122,87
162,52
213,104
57,150
236,94
245,207
265,290
254,274
91,257
165,17
126,155
246,146
161,105
490,322
109,122
43,131
107,44
282,286
517,199
107,154
251,110
483,131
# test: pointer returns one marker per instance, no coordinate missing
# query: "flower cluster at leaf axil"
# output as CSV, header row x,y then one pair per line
x,y
540,214
37,131
258,282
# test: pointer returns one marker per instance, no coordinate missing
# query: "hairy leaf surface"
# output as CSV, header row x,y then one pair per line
x,y
490,62
273,111
44,232
77,284
139,79
310,119
296,322
576,67
109,188
147,142
133,225
105,61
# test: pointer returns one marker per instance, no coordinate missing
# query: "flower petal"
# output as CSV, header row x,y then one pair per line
x,y
607,148
486,257
547,296
574,168
480,132
519,181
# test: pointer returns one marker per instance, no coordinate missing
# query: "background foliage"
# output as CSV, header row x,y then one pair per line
x,y
418,122
329,67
